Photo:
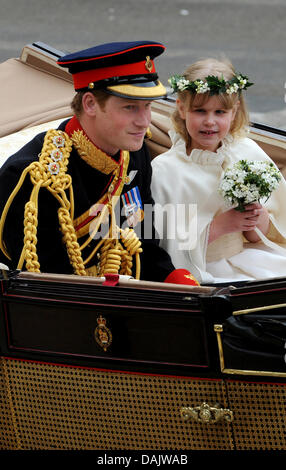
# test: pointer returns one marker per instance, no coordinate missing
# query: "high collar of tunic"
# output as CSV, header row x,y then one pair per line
x,y
203,157
89,152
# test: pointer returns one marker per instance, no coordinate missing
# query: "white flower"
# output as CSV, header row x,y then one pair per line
x,y
202,87
248,182
242,81
232,89
226,185
182,84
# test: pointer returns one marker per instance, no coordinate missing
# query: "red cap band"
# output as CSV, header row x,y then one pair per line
x,y
82,79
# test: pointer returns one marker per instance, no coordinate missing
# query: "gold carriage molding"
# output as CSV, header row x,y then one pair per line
x,y
237,360
253,341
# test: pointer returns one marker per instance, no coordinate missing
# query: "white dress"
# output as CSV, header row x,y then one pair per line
x,y
185,190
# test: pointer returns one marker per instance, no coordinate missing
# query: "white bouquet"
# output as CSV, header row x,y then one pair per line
x,y
248,182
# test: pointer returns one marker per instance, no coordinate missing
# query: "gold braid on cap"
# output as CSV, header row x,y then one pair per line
x,y
50,172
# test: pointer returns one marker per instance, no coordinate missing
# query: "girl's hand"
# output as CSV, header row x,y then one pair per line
x,y
255,215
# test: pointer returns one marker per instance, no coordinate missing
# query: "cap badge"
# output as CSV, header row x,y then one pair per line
x,y
91,86
148,64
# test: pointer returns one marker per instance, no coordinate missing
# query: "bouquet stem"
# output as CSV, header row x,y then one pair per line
x,y
240,207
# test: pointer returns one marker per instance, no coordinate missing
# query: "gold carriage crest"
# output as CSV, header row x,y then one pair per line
x,y
102,334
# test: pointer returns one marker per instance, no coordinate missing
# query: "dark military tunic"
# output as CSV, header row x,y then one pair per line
x,y
89,184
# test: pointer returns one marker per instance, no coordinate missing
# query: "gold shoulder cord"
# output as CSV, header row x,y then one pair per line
x,y
50,172
116,250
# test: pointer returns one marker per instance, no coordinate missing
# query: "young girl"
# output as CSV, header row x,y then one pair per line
x,y
210,124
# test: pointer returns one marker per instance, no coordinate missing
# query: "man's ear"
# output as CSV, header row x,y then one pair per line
x,y
89,104
181,108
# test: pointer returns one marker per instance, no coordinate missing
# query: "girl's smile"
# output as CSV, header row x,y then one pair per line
x,y
208,124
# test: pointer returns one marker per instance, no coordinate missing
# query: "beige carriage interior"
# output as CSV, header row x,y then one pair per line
x,y
36,93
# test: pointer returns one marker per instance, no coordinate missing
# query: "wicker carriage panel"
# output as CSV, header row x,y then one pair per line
x,y
58,407
259,415
8,439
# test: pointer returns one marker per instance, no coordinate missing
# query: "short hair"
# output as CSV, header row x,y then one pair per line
x,y
199,70
76,104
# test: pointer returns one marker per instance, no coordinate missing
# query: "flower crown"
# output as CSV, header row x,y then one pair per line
x,y
211,83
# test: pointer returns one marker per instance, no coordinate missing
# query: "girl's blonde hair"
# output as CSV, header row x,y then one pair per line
x,y
199,70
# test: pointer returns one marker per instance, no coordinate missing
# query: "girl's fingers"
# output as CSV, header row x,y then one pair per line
x,y
253,214
255,205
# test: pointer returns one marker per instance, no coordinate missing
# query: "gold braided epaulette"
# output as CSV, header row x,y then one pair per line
x,y
49,172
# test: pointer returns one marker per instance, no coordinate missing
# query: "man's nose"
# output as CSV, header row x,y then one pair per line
x,y
143,118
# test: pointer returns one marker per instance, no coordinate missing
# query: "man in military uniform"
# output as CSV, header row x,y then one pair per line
x,y
65,186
